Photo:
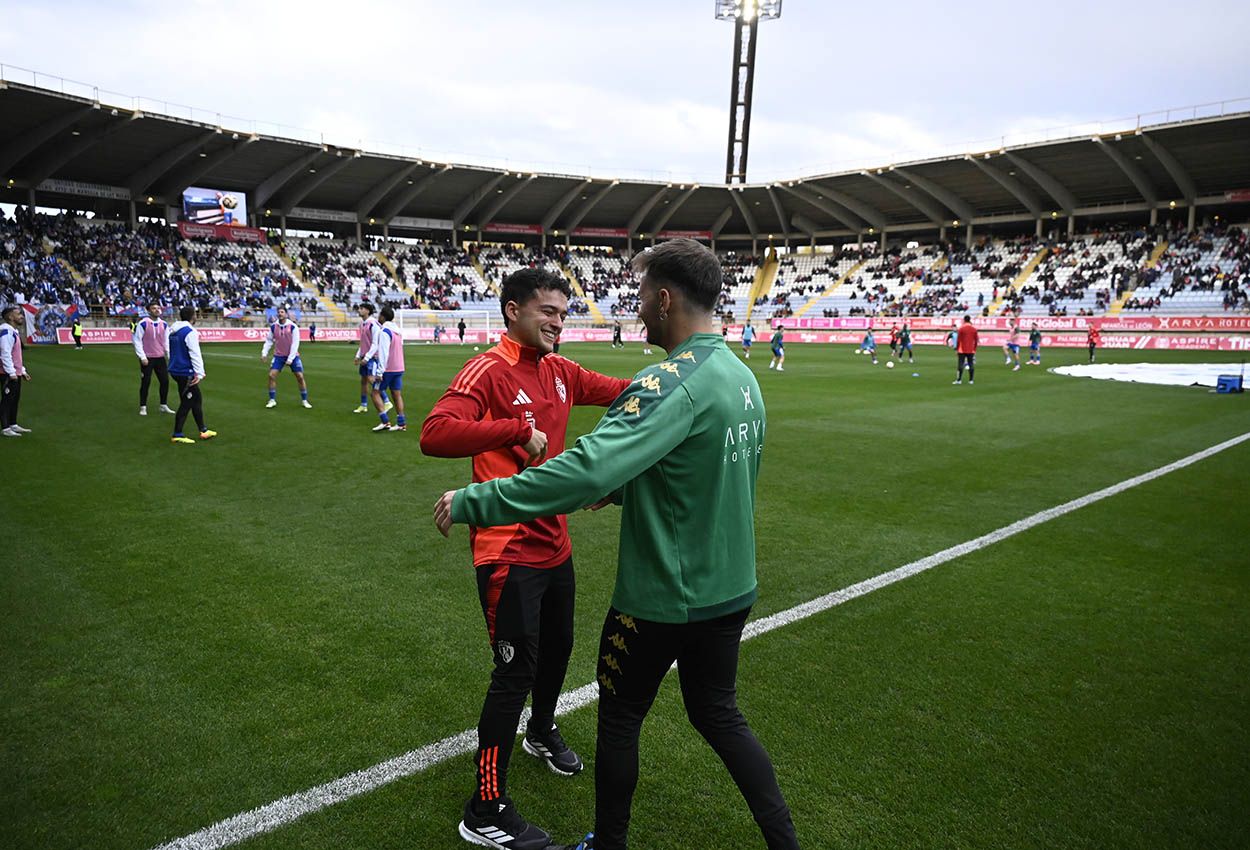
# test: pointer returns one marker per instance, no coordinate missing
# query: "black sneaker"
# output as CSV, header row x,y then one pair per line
x,y
503,829
552,749
587,843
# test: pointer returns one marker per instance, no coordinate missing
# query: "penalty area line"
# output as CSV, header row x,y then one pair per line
x,y
271,816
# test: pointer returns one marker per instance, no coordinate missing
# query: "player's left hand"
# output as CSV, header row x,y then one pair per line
x,y
442,512
599,505
26,376
264,357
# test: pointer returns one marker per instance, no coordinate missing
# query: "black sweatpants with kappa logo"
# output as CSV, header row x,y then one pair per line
x,y
529,617
634,656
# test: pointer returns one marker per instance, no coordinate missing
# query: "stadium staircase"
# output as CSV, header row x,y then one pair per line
x,y
1029,268
400,283
596,314
832,288
74,273
764,279
919,284
324,302
187,267
481,272
1118,305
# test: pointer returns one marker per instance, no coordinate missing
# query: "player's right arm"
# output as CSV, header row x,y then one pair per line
x,y
384,350
137,341
7,341
264,351
458,427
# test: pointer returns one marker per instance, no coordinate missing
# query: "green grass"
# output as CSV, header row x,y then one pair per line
x,y
189,632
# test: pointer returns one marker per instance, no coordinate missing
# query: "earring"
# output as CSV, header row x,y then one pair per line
x,y
663,316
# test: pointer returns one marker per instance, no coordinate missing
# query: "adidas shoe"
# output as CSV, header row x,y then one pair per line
x,y
9,432
552,749
399,427
307,404
587,843
273,402
143,410
381,426
165,408
19,429
360,408
503,829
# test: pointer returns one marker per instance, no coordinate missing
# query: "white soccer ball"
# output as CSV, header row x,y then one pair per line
x,y
475,348
889,364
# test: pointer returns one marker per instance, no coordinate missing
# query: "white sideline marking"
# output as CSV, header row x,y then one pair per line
x,y
281,812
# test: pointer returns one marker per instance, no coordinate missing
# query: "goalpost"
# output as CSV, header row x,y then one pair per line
x,y
481,326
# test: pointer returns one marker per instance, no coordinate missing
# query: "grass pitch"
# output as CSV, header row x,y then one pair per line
x,y
189,632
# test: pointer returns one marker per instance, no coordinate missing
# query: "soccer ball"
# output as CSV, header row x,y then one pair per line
x,y
889,364
475,348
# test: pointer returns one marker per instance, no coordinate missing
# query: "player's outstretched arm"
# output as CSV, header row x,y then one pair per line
x,y
626,441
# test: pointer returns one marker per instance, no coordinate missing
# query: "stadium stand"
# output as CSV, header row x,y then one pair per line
x,y
110,269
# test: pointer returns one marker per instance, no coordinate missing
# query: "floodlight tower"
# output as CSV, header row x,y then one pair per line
x,y
746,15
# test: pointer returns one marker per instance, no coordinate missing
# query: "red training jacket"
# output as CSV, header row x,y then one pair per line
x,y
967,339
489,413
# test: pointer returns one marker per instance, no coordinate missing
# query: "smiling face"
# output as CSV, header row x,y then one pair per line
x,y
537,323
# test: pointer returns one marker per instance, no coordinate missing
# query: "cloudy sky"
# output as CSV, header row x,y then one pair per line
x,y
641,89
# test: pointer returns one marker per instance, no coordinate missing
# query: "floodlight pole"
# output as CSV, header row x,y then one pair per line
x,y
740,99
746,15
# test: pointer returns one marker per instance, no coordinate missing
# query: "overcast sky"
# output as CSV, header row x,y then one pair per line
x,y
641,89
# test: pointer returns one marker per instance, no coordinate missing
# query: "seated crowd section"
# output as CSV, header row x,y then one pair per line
x,y
113,270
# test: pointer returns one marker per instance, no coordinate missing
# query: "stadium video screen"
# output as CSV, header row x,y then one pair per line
x,y
214,206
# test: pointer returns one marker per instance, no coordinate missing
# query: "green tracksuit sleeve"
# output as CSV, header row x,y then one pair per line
x,y
639,429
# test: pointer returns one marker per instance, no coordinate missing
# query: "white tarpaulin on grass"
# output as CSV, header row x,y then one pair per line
x,y
1171,374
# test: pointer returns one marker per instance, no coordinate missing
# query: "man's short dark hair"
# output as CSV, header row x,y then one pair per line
x,y
186,313
521,285
9,309
967,318
685,265
387,313
367,306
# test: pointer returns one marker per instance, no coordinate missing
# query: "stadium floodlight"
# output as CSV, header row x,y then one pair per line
x,y
746,15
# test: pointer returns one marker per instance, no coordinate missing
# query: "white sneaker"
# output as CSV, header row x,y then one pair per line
x,y
19,429
143,411
1017,368
273,402
956,383
382,426
165,408
781,368
307,404
9,432
771,366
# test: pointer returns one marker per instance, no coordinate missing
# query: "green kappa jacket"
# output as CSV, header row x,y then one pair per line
x,y
679,450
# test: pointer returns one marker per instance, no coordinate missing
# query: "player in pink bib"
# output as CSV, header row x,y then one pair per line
x,y
283,339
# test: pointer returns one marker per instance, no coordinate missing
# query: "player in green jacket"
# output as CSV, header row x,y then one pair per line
x,y
679,450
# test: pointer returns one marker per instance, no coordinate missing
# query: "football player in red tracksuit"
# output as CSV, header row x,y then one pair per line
x,y
508,408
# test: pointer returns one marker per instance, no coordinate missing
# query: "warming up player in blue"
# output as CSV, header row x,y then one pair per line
x,y
283,338
869,345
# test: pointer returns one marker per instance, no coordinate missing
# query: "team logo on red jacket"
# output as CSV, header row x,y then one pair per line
x,y
564,394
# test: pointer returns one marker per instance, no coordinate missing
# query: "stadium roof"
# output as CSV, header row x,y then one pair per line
x,y
83,154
